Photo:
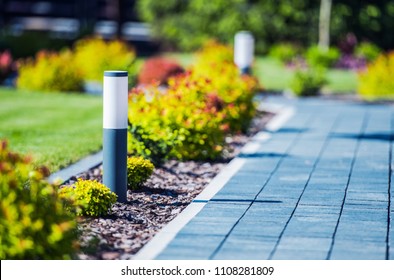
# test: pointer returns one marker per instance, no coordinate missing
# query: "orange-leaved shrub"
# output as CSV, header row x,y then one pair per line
x,y
376,82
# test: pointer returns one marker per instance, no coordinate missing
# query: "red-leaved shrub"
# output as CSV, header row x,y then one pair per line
x,y
6,64
158,70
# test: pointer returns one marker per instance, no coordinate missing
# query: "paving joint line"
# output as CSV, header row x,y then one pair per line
x,y
389,190
324,146
362,132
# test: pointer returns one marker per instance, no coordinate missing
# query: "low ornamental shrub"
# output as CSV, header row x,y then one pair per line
x,y
367,51
6,65
93,56
174,124
158,70
316,57
89,198
190,119
138,171
49,71
33,221
213,53
214,63
376,82
308,82
285,52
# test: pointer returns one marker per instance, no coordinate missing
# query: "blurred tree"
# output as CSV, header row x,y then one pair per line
x,y
324,24
186,24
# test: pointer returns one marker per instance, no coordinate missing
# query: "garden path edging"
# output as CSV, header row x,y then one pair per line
x,y
74,169
159,242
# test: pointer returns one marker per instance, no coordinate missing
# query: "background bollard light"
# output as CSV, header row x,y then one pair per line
x,y
244,51
115,102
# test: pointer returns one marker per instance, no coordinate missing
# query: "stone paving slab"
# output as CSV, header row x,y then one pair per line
x,y
317,188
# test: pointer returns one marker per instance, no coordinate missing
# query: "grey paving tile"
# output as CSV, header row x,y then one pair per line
x,y
373,196
305,244
367,203
358,250
361,233
310,227
314,210
297,254
185,247
246,247
264,229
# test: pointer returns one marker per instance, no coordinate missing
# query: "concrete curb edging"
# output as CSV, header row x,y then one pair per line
x,y
77,168
160,241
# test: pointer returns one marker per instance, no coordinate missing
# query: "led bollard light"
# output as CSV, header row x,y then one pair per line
x,y
115,101
244,51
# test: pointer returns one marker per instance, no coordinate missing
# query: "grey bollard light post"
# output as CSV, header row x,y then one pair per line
x,y
244,51
115,102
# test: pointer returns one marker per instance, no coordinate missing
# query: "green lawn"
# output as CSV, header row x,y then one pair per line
x,y
56,129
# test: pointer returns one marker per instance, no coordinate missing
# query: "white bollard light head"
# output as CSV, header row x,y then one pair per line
x,y
243,49
115,99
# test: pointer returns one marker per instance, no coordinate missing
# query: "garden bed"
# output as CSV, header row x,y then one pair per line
x,y
129,226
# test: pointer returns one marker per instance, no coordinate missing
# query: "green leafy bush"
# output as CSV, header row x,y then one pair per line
x,y
33,221
176,123
138,171
50,71
285,52
150,137
316,57
377,82
368,51
93,56
308,82
90,198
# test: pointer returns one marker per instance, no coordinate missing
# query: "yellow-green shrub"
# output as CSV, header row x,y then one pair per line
x,y
318,58
190,119
308,82
90,198
178,123
33,221
49,71
138,171
93,56
215,63
377,82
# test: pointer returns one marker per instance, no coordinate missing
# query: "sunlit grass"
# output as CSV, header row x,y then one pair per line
x,y
55,129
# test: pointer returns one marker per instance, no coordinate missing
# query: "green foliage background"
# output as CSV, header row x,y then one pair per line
x,y
187,24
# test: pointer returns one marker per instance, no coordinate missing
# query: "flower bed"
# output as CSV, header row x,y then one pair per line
x,y
129,226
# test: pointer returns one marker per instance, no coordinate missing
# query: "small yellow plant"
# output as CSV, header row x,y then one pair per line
x,y
377,82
